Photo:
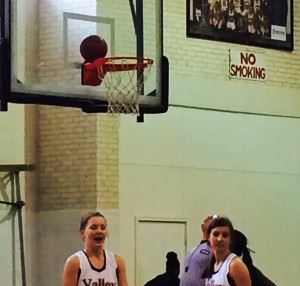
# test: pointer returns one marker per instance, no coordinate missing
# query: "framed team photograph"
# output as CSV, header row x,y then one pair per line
x,y
263,23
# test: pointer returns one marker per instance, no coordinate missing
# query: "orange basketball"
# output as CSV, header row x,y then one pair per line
x,y
93,47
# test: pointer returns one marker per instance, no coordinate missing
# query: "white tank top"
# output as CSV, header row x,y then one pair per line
x,y
91,276
219,278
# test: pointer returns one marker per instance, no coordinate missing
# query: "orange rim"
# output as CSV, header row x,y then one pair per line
x,y
115,64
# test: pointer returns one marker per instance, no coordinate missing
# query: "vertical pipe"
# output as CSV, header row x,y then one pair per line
x,y
21,236
13,231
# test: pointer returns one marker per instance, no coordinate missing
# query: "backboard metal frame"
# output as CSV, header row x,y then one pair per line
x,y
7,95
5,54
86,18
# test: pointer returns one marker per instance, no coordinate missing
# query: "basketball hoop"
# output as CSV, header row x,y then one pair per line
x,y
124,79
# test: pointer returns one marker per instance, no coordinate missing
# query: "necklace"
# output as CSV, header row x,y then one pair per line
x,y
218,266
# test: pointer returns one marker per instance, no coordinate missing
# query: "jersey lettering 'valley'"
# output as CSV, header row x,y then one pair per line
x,y
99,282
91,276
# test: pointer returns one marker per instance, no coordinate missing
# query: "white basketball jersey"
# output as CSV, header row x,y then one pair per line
x,y
219,278
91,276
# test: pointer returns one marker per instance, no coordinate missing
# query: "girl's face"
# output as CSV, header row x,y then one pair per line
x,y
220,239
95,231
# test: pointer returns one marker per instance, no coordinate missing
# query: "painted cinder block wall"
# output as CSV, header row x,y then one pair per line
x,y
199,161
86,161
190,58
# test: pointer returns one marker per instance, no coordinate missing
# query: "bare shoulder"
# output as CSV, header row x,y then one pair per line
x,y
72,262
70,272
122,279
237,263
120,261
239,272
237,266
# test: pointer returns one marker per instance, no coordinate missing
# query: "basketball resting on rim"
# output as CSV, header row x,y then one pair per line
x,y
123,76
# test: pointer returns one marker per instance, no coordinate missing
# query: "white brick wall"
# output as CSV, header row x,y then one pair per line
x,y
108,161
204,58
67,159
51,37
209,59
79,153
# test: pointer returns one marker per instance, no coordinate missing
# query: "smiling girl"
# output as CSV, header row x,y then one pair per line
x,y
94,265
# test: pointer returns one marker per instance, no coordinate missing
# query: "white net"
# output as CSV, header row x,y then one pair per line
x,y
124,79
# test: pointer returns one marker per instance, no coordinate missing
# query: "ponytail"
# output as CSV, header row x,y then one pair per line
x,y
246,257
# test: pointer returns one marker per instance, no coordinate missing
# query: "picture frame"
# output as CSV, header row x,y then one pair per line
x,y
262,23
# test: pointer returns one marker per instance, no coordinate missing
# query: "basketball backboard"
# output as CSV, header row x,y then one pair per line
x,y
40,56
